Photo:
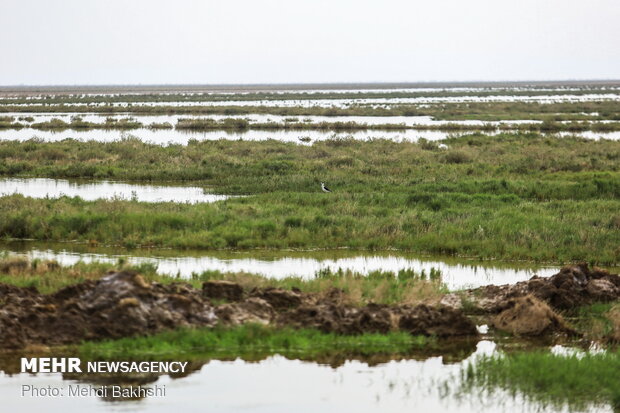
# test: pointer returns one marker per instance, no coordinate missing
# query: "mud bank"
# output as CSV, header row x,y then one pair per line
x,y
572,287
123,304
531,307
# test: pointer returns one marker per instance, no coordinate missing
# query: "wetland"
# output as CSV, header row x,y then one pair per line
x,y
190,225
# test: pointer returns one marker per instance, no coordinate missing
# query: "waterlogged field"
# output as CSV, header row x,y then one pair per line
x,y
455,273
434,190
264,384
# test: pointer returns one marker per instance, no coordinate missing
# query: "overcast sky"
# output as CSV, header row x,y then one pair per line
x,y
259,41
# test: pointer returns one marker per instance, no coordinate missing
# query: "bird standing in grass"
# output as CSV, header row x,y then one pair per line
x,y
324,188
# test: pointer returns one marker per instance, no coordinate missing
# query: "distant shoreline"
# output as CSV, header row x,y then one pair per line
x,y
163,88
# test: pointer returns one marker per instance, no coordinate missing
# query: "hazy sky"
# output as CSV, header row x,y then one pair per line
x,y
258,41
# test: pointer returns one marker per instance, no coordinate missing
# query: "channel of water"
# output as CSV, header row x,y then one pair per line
x,y
91,190
277,384
456,273
550,98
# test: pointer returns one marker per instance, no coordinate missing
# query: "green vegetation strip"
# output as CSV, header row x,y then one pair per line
x,y
487,111
577,380
252,338
385,287
514,196
292,95
242,125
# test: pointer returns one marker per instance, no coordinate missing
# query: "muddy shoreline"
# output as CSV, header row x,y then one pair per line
x,y
123,304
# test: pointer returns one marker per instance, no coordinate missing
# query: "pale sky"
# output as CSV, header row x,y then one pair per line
x,y
50,42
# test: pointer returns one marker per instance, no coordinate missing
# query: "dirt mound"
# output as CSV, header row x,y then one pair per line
x,y
123,304
252,310
119,305
573,286
375,318
332,318
529,316
222,290
436,321
279,298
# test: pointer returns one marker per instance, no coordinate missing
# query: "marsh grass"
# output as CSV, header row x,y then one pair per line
x,y
78,124
485,111
575,380
406,287
243,125
47,276
596,321
289,95
521,196
252,339
383,287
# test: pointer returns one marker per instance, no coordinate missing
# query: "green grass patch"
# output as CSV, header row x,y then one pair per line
x,y
552,379
385,287
594,320
252,339
514,196
488,111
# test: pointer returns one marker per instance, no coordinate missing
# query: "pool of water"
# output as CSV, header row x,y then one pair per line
x,y
165,137
261,118
182,137
499,90
279,384
550,98
91,190
456,273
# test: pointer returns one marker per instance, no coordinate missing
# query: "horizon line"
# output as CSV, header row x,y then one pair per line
x,y
301,84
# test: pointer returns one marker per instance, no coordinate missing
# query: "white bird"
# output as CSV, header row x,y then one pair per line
x,y
324,188
442,146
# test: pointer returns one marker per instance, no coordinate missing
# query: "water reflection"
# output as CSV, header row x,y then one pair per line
x,y
457,274
146,120
89,190
175,136
280,384
343,103
181,136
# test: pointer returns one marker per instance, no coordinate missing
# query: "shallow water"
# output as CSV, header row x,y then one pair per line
x,y
262,118
456,273
550,98
278,384
91,190
275,91
182,137
165,137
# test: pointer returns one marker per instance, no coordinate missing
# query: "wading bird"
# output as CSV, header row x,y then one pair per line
x,y
324,188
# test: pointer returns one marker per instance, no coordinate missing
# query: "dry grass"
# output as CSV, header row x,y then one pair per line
x,y
614,316
357,289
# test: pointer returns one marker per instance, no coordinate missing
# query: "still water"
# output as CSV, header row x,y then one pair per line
x,y
258,118
366,101
455,273
89,190
182,137
277,384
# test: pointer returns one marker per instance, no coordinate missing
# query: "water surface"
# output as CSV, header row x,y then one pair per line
x,y
92,190
278,384
174,136
456,273
182,137
366,101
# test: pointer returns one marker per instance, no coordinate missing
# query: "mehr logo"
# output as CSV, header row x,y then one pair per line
x,y
51,365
